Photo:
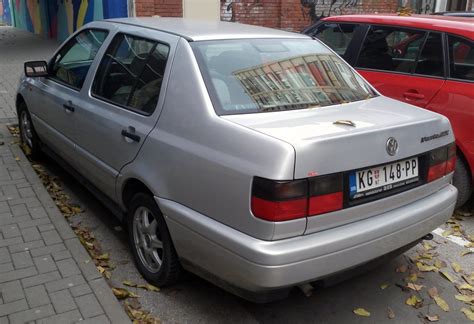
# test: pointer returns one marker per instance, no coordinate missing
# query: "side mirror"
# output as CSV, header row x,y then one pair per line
x,y
36,69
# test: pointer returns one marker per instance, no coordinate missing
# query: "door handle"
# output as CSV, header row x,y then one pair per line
x,y
68,107
133,137
413,95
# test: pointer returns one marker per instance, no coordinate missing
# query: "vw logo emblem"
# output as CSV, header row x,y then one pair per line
x,y
392,146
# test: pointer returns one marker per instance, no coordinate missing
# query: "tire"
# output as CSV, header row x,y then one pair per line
x,y
28,134
462,181
147,231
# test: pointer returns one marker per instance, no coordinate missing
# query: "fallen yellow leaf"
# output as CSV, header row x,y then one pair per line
x,y
466,286
101,269
425,268
120,293
427,245
465,252
440,264
464,298
414,301
447,275
414,287
104,256
129,283
456,267
447,233
384,286
361,312
441,303
149,287
469,313
412,277
432,318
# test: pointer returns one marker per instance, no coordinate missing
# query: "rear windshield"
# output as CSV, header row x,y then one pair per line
x,y
260,75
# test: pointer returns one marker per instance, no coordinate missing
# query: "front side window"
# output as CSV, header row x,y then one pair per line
x,y
336,36
259,75
391,49
131,73
71,64
461,58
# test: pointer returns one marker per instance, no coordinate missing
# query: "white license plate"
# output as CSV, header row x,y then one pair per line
x,y
382,178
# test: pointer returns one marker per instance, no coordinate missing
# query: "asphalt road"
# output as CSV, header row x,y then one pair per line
x,y
196,300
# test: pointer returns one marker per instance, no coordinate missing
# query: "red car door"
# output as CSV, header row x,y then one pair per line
x,y
415,90
403,64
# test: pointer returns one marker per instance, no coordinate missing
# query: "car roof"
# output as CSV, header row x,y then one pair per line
x,y
456,25
200,30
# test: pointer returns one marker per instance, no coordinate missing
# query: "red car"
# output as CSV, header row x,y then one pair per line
x,y
427,61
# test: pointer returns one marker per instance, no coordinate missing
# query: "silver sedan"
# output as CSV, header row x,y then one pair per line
x,y
256,158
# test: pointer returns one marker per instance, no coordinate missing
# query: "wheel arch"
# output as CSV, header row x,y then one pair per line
x,y
130,187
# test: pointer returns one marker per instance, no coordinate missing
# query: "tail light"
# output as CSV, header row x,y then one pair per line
x,y
279,200
285,200
442,162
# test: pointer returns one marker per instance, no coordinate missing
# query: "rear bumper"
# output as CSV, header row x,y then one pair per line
x,y
260,266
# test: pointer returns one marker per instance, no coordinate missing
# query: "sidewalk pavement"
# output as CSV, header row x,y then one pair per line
x,y
46,275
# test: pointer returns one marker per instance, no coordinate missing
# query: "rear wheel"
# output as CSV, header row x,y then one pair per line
x,y
28,135
462,181
151,243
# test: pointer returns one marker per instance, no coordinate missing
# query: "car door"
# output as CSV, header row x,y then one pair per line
x,y
404,64
123,104
455,100
56,96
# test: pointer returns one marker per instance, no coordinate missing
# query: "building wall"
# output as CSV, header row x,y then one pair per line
x,y
59,18
203,9
164,8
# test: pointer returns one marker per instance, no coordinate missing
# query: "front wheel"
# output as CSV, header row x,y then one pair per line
x,y
150,241
28,135
462,180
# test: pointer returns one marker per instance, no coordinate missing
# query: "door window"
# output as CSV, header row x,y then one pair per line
x,y
131,73
391,49
461,58
71,64
336,36
431,62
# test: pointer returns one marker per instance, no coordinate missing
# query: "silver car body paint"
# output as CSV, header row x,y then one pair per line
x,y
200,166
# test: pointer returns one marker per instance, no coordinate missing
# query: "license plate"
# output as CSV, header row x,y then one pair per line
x,y
382,178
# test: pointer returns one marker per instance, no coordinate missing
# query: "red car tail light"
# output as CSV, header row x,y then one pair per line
x,y
451,163
442,162
279,200
325,194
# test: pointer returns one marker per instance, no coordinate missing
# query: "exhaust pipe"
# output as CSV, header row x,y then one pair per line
x,y
428,237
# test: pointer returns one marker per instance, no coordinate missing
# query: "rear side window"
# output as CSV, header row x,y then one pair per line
x,y
71,64
336,36
461,58
131,73
391,49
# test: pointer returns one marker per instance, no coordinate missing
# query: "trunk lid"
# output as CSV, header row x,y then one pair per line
x,y
323,147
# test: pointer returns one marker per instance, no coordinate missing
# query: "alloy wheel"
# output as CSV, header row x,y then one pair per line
x,y
147,239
